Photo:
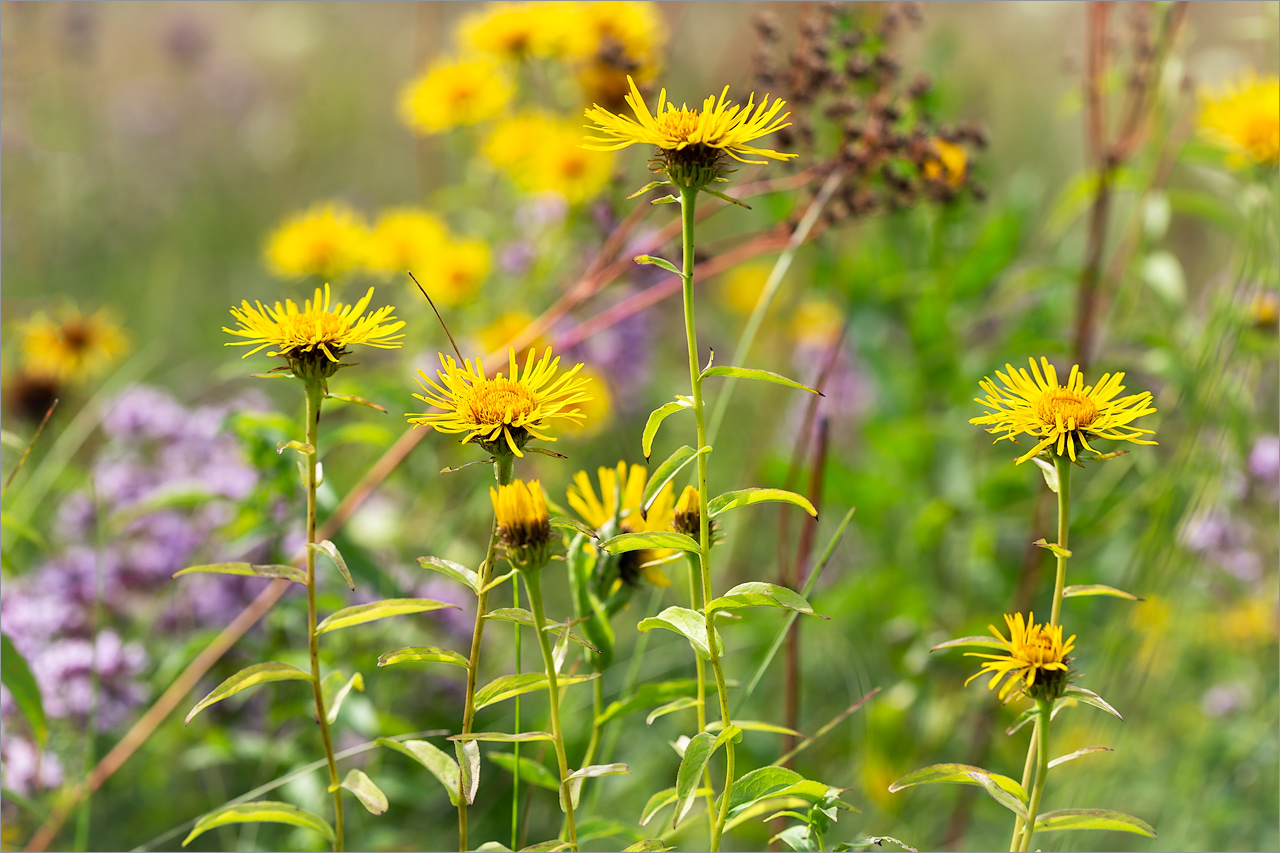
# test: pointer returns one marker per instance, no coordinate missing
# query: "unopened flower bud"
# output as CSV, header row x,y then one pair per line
x,y
524,526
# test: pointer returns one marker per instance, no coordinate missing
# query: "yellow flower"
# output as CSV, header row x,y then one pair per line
x,y
509,30
503,412
524,525
621,492
405,238
740,287
817,323
452,94
326,241
497,335
512,141
610,40
597,411
688,513
73,346
947,165
1244,119
692,144
1036,662
1059,417
316,337
541,154
458,271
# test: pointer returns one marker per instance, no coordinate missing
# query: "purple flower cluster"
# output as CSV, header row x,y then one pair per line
x,y
165,479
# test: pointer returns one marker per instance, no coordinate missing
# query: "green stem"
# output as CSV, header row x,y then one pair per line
x,y
503,471
1063,465
515,747
695,584
315,394
533,583
1042,769
1026,780
688,203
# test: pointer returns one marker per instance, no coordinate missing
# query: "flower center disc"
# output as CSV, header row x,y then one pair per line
x,y
500,401
1068,407
315,328
679,123
1040,651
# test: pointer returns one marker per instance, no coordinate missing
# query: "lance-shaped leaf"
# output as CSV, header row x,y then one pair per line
x,y
335,690
696,755
1050,473
509,686
520,616
1098,589
753,373
755,726
1030,714
646,696
747,497
647,845
670,708
16,675
664,798
423,654
657,262
1063,759
530,770
1090,698
666,472
593,770
759,594
493,847
250,676
331,551
1093,819
457,571
996,792
656,417
260,812
656,539
767,783
362,613
359,401
301,446
362,787
438,762
1052,547
501,737
566,523
964,774
984,642
690,624
288,573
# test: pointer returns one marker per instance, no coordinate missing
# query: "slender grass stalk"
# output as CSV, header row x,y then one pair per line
x,y
1042,769
503,470
1063,465
315,394
533,584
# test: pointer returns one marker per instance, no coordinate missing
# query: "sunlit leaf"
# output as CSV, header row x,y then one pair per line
x,y
288,573
656,539
670,708
331,551
1065,819
656,417
362,613
250,676
502,737
666,472
1097,589
423,654
758,594
1063,759
438,762
362,787
748,497
454,570
964,774
690,624
1090,698
510,686
753,373
335,689
984,642
260,812
520,616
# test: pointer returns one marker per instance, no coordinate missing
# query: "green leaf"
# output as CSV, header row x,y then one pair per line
x,y
438,762
493,847
468,753
690,624
758,594
565,523
25,802
16,675
454,570
648,845
656,539
592,771
595,827
1079,752
530,770
752,373
1093,819
670,708
1050,473
649,186
520,616
360,401
657,262
760,784
996,792
509,686
425,654
747,497
498,581
755,726
250,676
362,787
335,691
797,838
362,613
1098,589
666,472
662,799
984,642
646,696
696,755
288,573
875,842
301,446
964,774
260,812
331,551
1055,549
656,417
502,737
1090,698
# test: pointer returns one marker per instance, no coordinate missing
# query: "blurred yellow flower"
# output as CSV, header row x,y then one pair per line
x,y
598,411
621,493
692,143
626,28
1244,118
405,238
1036,661
541,154
503,412
816,323
458,271
455,93
496,336
1060,417
948,164
326,241
72,346
740,287
512,141
510,30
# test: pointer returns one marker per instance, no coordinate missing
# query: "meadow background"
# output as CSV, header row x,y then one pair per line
x,y
149,152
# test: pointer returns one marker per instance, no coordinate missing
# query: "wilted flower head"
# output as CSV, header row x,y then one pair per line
x,y
455,93
326,241
1244,118
72,345
1036,661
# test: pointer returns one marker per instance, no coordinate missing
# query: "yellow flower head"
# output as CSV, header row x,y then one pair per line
x,y
1060,417
626,29
509,30
501,413
739,288
458,270
1244,119
947,165
688,514
452,94
326,241
691,144
1036,662
405,238
497,335
541,154
524,525
72,346
817,323
621,493
315,337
